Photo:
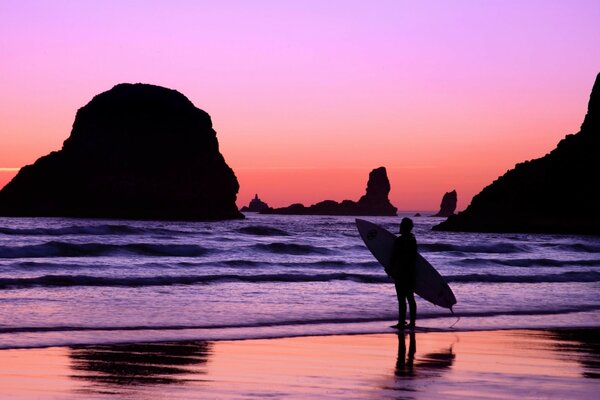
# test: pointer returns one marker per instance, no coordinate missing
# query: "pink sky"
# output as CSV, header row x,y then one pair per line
x,y
308,96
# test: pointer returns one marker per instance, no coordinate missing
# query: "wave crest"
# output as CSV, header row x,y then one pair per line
x,y
291,248
62,249
260,230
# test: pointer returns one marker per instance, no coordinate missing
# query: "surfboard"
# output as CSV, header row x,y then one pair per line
x,y
429,284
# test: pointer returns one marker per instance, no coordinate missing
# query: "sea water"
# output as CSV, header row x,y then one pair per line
x,y
90,281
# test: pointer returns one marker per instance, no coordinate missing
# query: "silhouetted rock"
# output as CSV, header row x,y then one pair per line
x,y
417,215
256,205
136,151
374,202
448,205
556,193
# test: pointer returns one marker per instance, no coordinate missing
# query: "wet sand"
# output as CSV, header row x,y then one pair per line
x,y
524,364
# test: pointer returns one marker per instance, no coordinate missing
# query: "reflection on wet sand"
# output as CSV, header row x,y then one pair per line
x,y
110,366
524,364
413,368
428,364
583,345
404,364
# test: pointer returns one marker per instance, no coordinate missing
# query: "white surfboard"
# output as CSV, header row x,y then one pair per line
x,y
429,283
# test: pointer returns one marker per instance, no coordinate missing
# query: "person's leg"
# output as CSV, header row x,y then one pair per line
x,y
412,304
400,293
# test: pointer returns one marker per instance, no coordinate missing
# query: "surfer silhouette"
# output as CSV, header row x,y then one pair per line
x,y
403,271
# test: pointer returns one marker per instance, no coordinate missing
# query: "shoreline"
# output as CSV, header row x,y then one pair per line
x,y
73,336
528,363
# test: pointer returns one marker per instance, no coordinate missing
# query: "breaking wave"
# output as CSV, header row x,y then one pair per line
x,y
529,262
291,248
262,231
502,248
62,249
138,281
108,229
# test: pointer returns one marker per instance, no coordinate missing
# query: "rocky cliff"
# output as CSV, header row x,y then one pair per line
x,y
555,194
136,151
448,205
374,202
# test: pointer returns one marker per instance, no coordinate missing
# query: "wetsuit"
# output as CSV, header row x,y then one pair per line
x,y
403,271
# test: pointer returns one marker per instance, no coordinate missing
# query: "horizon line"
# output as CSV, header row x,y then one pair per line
x,y
344,167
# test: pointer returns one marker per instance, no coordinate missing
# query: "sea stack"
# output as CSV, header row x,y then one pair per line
x,y
448,205
557,193
374,202
256,205
137,151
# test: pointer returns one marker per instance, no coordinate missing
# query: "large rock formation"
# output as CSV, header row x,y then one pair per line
x,y
557,193
256,205
374,202
136,151
448,205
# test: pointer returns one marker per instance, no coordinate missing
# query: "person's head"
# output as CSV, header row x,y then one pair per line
x,y
406,225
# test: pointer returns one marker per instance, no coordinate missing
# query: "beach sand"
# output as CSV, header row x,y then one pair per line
x,y
524,364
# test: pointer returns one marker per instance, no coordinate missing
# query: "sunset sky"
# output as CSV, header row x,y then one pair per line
x,y
308,96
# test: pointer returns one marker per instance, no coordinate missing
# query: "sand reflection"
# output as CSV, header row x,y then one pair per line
x,y
107,367
428,364
582,345
528,364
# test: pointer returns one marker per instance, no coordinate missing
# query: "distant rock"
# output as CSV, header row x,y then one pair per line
x,y
448,205
136,151
374,202
557,193
417,215
256,205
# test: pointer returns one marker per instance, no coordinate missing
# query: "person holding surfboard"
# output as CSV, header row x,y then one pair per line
x,y
409,270
402,269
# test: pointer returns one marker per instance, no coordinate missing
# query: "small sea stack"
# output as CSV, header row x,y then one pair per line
x,y
256,205
374,202
448,205
556,193
137,151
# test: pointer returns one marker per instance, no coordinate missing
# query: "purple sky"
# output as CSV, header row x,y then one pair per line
x,y
447,95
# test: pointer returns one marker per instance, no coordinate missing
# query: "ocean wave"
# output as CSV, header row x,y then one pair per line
x,y
99,230
62,249
291,248
168,280
322,263
138,281
442,313
572,276
528,262
260,230
50,265
575,247
502,248
62,328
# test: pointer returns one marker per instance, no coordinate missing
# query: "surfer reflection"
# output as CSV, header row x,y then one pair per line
x,y
426,365
403,271
404,364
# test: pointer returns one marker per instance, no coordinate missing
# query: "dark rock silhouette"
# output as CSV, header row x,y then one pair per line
x,y
256,205
448,205
136,151
374,202
553,194
417,215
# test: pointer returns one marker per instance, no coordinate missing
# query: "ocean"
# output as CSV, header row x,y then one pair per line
x,y
88,281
